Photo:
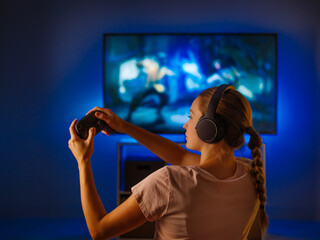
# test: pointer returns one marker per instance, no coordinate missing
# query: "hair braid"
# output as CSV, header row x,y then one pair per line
x,y
257,173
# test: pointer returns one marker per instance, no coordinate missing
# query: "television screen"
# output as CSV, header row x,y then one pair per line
x,y
152,79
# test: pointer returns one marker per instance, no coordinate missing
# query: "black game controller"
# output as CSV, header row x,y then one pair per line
x,y
82,127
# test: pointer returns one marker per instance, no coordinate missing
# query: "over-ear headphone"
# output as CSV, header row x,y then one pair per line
x,y
211,127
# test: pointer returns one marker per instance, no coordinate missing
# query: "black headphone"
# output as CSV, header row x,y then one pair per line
x,y
211,127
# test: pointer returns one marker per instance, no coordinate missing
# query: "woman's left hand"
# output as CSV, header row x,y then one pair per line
x,y
81,149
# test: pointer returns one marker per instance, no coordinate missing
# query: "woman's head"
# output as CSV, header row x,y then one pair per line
x,y
232,108
235,111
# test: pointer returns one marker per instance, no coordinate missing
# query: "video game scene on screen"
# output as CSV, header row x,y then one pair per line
x,y
151,80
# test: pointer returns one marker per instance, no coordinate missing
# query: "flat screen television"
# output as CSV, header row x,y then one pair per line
x,y
152,79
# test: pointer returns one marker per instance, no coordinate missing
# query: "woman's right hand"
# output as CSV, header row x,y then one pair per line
x,y
113,120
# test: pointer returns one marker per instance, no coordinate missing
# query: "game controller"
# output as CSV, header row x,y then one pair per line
x,y
82,127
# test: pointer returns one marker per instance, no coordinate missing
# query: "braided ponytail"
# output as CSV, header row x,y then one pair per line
x,y
257,173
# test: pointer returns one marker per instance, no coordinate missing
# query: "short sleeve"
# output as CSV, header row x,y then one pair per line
x,y
152,194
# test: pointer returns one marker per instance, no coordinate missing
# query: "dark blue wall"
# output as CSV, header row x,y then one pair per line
x,y
51,73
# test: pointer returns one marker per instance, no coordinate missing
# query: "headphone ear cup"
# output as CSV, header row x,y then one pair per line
x,y
211,127
207,129
221,128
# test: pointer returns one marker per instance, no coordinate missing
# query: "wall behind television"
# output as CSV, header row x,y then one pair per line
x,y
51,73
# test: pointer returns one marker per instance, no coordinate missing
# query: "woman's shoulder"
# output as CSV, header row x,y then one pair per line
x,y
177,169
243,167
246,162
185,173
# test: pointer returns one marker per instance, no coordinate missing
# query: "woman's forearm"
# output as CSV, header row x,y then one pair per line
x,y
91,204
165,149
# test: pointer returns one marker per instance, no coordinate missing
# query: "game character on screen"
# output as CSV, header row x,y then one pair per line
x,y
154,86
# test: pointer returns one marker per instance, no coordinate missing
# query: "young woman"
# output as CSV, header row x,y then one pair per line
x,y
209,196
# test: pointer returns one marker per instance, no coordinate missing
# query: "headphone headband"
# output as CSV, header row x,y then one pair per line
x,y
215,99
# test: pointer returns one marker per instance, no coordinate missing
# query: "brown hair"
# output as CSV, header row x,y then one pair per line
x,y
236,112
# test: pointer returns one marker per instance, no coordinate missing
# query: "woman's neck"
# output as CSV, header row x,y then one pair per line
x,y
218,160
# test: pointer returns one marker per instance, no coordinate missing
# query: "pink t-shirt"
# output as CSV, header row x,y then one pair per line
x,y
187,202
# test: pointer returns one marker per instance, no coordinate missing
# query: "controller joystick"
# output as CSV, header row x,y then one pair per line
x,y
82,127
